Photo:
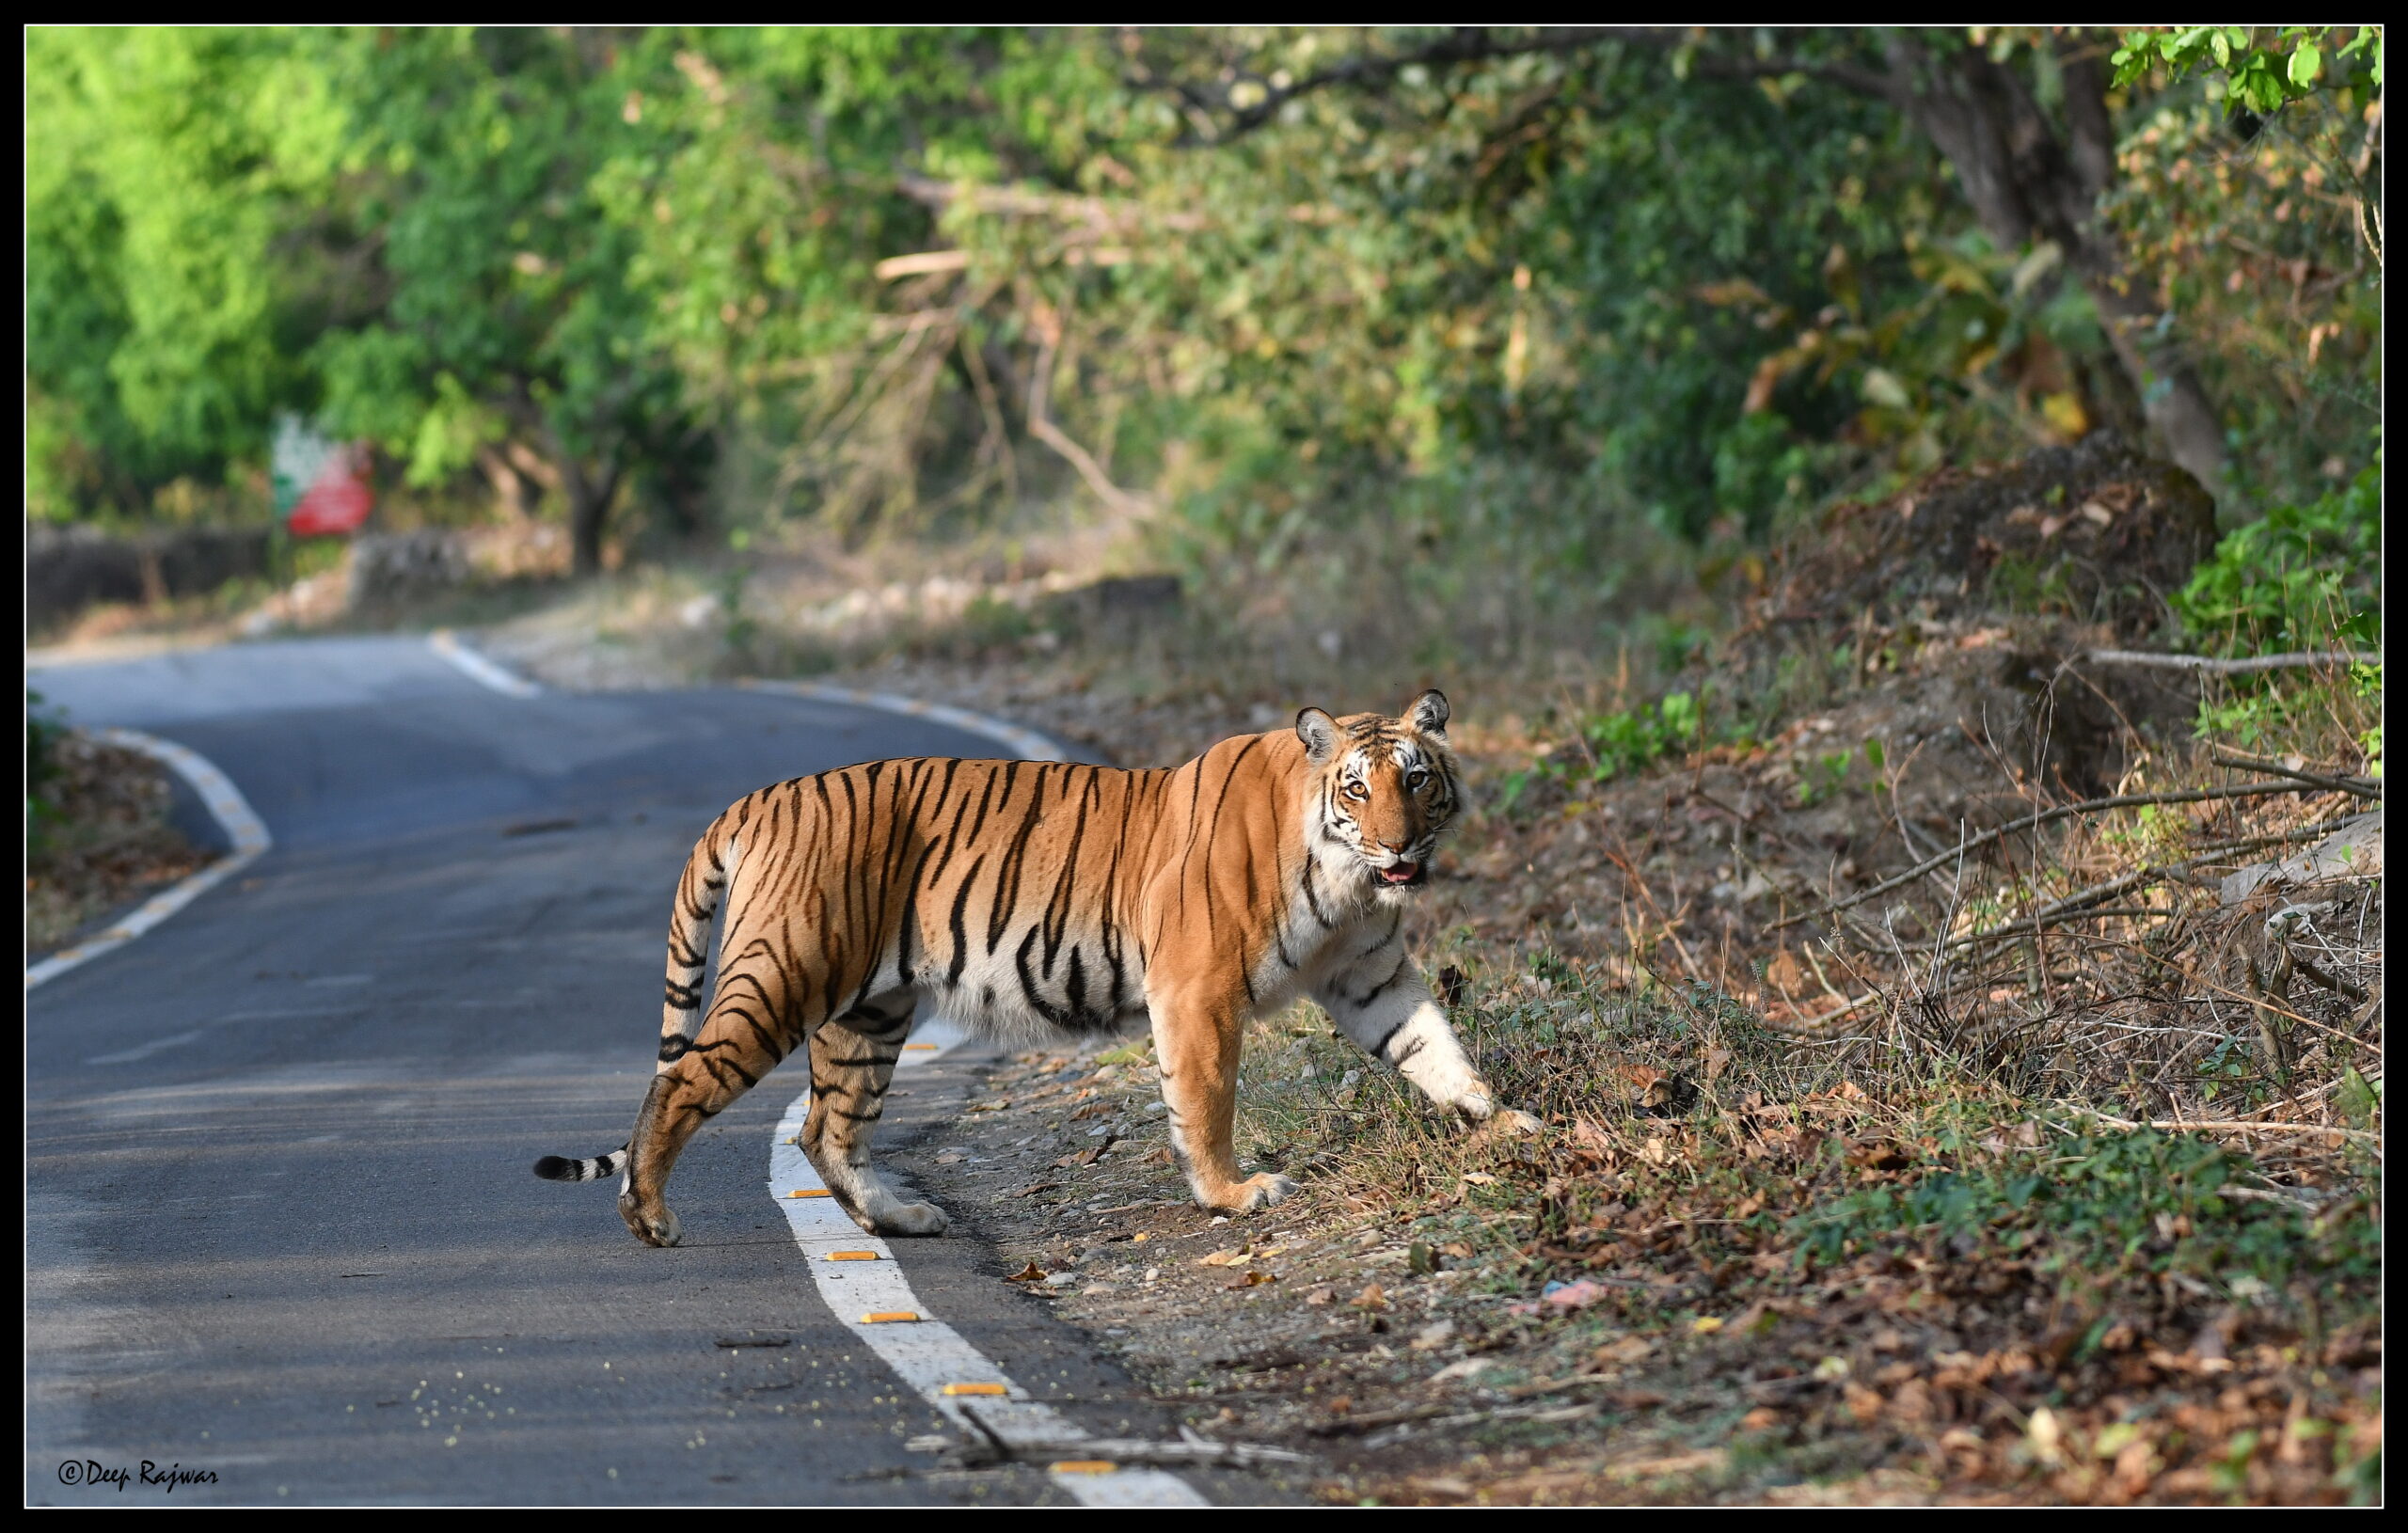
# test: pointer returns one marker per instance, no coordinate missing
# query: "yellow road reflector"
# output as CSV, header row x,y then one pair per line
x,y
974,1389
888,1316
1083,1467
809,1192
853,1255
915,1048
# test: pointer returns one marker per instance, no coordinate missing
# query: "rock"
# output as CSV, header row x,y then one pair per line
x,y
387,567
1433,1335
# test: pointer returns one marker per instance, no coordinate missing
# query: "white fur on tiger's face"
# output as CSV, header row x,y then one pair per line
x,y
1052,900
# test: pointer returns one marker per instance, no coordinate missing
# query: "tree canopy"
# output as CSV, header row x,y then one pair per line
x,y
1253,277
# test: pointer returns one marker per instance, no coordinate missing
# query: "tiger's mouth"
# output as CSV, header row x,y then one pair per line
x,y
1405,874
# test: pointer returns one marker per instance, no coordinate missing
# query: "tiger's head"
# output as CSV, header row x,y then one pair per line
x,y
1383,789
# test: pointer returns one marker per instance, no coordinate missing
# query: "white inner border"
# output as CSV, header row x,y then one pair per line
x,y
242,828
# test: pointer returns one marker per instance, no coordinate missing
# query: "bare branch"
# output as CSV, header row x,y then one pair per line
x,y
2124,801
2362,787
1041,426
1475,45
2299,660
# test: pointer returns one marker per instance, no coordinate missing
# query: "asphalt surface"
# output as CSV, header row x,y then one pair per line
x,y
280,1226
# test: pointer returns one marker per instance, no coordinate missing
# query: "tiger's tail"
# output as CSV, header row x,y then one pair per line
x,y
710,869
558,1168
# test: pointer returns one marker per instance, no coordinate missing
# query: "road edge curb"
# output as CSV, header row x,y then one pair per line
x,y
245,833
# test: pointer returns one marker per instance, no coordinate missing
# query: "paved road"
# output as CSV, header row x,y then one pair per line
x,y
280,1226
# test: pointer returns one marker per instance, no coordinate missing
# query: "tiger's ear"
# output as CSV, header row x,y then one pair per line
x,y
1319,732
1429,712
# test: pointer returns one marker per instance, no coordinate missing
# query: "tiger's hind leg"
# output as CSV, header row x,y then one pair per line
x,y
852,1062
749,1028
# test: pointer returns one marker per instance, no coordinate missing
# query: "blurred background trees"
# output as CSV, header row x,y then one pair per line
x,y
1536,292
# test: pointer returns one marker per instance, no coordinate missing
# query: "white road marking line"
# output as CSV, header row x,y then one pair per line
x,y
173,1040
242,828
929,1354
478,668
1026,743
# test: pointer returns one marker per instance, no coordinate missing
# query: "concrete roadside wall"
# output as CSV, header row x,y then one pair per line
x,y
70,568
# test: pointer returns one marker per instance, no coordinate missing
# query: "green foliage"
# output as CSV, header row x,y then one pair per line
x,y
2302,577
2106,1204
1520,308
1613,745
1822,777
2263,67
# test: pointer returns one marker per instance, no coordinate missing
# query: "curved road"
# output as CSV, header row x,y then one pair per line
x,y
281,1227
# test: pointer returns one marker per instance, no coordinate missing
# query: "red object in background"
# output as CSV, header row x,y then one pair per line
x,y
338,502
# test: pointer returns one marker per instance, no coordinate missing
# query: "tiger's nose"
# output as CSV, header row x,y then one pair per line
x,y
1396,847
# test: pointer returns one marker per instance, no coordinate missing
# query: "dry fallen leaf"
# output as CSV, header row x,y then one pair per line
x,y
1480,1178
1319,1294
1623,1350
1372,1297
1223,1258
1036,1187
1254,1279
1876,1155
1030,1273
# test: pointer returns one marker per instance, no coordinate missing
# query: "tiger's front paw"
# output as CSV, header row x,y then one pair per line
x,y
1260,1192
1511,1123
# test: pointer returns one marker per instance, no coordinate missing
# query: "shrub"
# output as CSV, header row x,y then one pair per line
x,y
2300,578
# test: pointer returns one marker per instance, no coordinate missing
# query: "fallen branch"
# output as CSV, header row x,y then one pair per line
x,y
2298,661
2078,903
2121,801
2363,788
1194,1450
2229,1125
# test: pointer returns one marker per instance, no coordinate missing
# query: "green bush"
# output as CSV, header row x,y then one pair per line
x,y
2301,578
2106,1204
1615,745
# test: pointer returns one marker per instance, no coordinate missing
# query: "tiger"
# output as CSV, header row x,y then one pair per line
x,y
1053,900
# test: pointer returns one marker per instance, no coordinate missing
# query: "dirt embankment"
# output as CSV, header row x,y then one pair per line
x,y
97,837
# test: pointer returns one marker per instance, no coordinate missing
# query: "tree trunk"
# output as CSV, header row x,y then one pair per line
x,y
2026,184
589,493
